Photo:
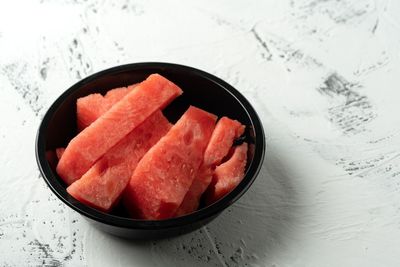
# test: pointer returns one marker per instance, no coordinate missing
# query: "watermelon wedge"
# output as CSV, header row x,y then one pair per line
x,y
115,95
102,185
88,109
226,131
94,141
164,175
191,200
220,143
91,107
228,175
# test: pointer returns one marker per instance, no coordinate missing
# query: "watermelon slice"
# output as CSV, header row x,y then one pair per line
x,y
192,198
226,131
220,143
115,95
94,141
228,175
91,107
101,186
59,152
88,109
164,175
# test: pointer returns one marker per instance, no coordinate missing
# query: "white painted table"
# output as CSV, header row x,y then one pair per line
x,y
323,76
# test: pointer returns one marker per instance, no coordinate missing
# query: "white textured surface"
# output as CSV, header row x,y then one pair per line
x,y
323,76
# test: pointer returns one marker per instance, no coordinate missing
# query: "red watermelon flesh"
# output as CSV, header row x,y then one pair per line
x,y
192,198
226,131
94,141
88,109
91,107
220,143
59,152
164,175
228,175
115,95
102,185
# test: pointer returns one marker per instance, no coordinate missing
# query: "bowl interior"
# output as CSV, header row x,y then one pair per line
x,y
200,89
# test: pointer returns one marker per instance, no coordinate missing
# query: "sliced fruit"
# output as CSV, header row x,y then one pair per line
x,y
226,131
191,200
217,149
164,175
94,141
89,108
228,175
102,185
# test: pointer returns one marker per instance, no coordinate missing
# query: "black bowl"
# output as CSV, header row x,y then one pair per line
x,y
201,89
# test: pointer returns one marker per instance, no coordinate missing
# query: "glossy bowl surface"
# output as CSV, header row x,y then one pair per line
x,y
201,89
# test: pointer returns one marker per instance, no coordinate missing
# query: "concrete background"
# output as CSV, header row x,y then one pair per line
x,y
322,74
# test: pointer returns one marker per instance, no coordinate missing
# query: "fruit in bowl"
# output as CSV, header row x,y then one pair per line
x,y
151,149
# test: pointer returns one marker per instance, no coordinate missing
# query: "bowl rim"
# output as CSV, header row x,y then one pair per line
x,y
207,212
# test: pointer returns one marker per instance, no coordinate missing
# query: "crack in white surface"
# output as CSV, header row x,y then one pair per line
x,y
212,243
